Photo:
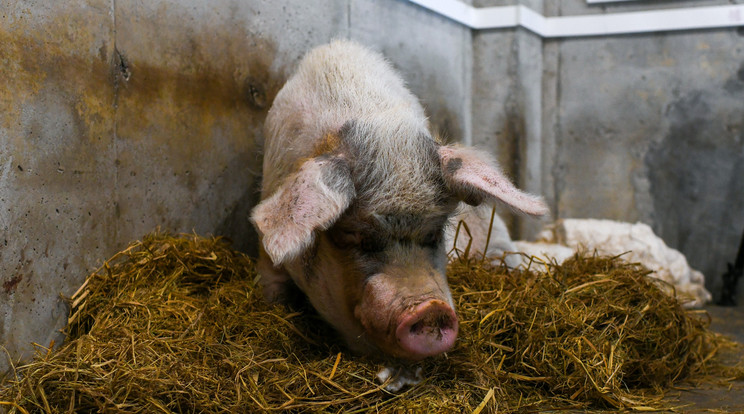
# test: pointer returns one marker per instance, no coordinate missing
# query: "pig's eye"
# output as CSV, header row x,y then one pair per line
x,y
432,240
346,239
364,241
372,244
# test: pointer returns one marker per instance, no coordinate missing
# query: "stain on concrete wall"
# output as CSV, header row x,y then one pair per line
x,y
120,116
56,160
507,108
696,172
191,96
642,127
648,128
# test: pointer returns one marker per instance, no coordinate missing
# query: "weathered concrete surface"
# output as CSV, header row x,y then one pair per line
x,y
651,128
57,160
508,106
436,64
120,116
194,84
643,127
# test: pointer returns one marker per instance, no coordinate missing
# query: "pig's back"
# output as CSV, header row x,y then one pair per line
x,y
333,84
353,81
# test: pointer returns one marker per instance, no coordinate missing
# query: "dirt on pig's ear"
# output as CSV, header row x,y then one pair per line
x,y
475,178
328,145
311,199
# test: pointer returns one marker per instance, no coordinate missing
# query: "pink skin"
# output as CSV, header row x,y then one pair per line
x,y
407,310
429,329
468,171
426,329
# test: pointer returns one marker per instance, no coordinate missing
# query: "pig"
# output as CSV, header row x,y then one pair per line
x,y
356,194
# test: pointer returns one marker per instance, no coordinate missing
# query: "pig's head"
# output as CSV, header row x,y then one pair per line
x,y
360,230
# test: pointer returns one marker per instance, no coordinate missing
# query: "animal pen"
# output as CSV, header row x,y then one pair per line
x,y
131,156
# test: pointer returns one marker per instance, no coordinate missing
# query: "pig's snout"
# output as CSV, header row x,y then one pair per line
x,y
408,314
428,329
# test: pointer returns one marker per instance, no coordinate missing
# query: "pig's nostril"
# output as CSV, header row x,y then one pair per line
x,y
417,327
432,327
429,329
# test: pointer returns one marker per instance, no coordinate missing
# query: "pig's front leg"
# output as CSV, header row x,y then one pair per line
x,y
276,283
399,377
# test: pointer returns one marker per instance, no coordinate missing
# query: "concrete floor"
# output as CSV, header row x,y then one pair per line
x,y
710,398
720,399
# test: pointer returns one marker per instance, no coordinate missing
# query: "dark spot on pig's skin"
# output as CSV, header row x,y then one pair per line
x,y
308,260
462,190
453,166
11,284
346,128
337,176
374,243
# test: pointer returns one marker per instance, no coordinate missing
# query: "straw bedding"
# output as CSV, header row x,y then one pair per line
x,y
176,324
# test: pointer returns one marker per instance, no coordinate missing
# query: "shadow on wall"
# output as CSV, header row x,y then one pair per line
x,y
697,176
199,115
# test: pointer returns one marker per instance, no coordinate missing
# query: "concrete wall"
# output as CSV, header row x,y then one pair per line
x,y
651,128
646,127
120,116
507,105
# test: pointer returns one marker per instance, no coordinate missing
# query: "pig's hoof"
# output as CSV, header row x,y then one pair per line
x,y
399,377
284,293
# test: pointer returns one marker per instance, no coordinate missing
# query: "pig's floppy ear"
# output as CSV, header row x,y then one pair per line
x,y
474,178
311,199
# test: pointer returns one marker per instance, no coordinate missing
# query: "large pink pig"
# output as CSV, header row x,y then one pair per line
x,y
356,194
